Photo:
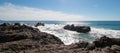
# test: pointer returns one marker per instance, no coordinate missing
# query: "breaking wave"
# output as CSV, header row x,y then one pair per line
x,y
69,37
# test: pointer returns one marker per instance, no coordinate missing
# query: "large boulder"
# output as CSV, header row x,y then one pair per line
x,y
106,41
39,24
81,29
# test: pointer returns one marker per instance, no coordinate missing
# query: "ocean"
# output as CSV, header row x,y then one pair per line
x,y
98,29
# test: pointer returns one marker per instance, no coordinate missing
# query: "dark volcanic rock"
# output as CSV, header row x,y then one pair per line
x,y
5,24
81,29
106,41
18,38
16,32
39,24
22,38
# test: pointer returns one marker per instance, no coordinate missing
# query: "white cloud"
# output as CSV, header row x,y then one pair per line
x,y
9,11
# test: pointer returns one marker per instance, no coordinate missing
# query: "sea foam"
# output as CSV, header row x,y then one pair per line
x,y
99,32
69,37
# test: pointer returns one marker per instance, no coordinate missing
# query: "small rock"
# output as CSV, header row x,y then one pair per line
x,y
39,24
18,24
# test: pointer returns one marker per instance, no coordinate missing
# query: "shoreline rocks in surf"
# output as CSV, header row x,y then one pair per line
x,y
39,24
19,38
80,29
106,41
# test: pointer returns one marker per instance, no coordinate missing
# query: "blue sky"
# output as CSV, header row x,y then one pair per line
x,y
71,10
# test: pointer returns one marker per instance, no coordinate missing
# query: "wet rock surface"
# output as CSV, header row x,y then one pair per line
x,y
81,29
17,38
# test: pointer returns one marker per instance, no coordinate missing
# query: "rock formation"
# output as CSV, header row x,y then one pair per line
x,y
9,32
106,41
39,24
81,29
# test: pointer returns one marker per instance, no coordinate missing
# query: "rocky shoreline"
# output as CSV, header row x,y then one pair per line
x,y
17,38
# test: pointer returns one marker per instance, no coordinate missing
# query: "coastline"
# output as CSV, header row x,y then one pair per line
x,y
26,39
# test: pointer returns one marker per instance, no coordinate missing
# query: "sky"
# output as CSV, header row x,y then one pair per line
x,y
60,10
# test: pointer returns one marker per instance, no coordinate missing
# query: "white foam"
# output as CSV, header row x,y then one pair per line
x,y
98,32
69,37
66,36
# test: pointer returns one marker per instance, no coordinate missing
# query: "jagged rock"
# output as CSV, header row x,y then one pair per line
x,y
39,24
106,41
19,32
81,29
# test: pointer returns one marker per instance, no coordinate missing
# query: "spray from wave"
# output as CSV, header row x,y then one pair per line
x,y
66,36
99,32
69,37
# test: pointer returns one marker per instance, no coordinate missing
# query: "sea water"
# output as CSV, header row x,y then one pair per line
x,y
98,29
